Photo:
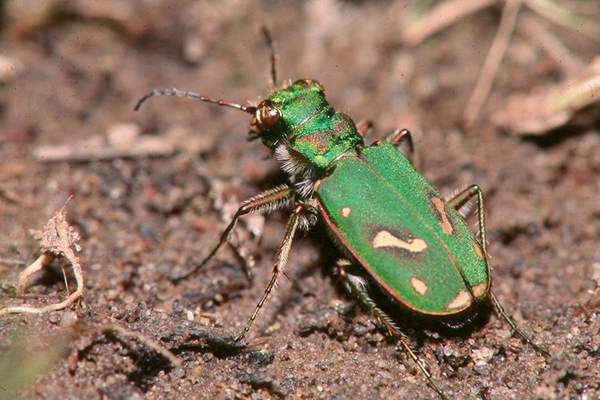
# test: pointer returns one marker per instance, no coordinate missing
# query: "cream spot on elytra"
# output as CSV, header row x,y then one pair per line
x,y
386,239
418,286
479,289
444,222
461,299
478,250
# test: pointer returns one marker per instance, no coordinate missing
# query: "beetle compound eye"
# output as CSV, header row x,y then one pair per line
x,y
267,116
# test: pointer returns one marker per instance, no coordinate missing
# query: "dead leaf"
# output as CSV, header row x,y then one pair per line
x,y
550,107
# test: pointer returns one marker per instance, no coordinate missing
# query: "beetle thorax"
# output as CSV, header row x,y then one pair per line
x,y
304,131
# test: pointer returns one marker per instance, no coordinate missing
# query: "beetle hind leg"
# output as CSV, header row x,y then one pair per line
x,y
358,287
461,200
514,326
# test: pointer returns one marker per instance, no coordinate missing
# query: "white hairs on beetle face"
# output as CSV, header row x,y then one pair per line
x,y
302,174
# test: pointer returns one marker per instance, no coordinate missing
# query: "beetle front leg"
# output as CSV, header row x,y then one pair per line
x,y
280,262
267,201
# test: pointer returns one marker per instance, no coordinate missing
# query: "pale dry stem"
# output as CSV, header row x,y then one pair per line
x,y
492,61
58,239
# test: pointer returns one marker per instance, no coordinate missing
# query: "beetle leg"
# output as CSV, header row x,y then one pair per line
x,y
398,137
357,287
460,200
514,326
266,201
280,262
365,128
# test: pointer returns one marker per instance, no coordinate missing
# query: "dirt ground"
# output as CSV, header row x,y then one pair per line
x,y
150,192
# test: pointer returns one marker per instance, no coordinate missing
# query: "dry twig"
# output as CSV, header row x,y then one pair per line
x,y
551,106
441,17
124,140
492,61
58,240
563,57
151,344
448,12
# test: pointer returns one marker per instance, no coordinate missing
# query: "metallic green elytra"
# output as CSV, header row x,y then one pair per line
x,y
396,232
396,225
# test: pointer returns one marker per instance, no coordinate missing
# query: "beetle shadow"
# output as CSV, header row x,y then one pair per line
x,y
414,324
578,126
417,325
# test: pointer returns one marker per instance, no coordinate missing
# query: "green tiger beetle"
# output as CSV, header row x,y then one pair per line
x,y
399,236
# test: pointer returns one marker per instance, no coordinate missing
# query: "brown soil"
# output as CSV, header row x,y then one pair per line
x,y
70,75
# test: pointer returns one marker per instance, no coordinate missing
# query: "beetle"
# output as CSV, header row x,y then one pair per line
x,y
399,236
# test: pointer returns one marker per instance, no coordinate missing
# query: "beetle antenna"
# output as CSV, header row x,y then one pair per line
x,y
179,93
269,40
